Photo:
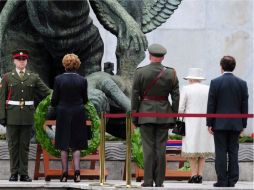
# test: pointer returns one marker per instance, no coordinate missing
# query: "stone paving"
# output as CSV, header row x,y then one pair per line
x,y
114,184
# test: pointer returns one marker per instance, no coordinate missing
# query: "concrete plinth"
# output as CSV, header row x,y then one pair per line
x,y
115,158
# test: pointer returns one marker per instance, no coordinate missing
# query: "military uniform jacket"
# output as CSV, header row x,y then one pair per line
x,y
165,86
13,88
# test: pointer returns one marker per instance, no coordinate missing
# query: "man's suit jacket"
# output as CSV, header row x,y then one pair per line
x,y
165,86
228,94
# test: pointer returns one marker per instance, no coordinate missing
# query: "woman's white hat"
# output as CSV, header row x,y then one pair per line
x,y
195,73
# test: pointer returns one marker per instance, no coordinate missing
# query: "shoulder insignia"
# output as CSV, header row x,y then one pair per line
x,y
139,67
168,67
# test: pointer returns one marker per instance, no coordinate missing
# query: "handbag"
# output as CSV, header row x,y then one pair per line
x,y
51,113
179,128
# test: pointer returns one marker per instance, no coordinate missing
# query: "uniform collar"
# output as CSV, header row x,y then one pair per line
x,y
15,74
18,70
156,64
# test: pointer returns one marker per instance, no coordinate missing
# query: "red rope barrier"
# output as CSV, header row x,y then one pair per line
x,y
115,115
150,114
192,115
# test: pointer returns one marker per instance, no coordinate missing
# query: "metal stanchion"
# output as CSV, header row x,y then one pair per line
x,y
102,155
128,154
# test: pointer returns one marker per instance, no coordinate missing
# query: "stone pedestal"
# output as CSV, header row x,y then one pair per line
x,y
115,156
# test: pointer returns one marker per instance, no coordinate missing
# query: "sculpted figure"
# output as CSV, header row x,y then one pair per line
x,y
49,29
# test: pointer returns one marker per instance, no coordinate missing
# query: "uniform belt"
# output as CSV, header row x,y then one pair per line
x,y
155,98
20,103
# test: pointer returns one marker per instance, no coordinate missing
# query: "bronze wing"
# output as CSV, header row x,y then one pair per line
x,y
149,14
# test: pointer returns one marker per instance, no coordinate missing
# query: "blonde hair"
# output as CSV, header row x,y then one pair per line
x,y
71,62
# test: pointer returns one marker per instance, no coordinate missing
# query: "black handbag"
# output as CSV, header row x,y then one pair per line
x,y
179,128
51,113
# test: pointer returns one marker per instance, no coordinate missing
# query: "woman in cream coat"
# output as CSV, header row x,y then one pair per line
x,y
197,144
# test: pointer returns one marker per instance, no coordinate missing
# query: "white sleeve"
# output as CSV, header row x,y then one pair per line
x,y
183,100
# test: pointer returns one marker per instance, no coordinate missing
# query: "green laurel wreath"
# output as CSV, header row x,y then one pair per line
x,y
45,141
137,151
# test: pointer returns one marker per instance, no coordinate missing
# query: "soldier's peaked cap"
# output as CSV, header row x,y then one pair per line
x,y
20,53
157,50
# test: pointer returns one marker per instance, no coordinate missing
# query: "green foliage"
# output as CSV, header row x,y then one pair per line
x,y
175,137
112,138
45,141
2,136
186,167
246,139
137,150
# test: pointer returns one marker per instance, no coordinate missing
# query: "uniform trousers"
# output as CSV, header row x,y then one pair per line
x,y
18,144
154,138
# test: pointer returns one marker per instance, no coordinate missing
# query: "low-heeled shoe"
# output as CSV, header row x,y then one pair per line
x,y
64,177
199,179
193,179
77,176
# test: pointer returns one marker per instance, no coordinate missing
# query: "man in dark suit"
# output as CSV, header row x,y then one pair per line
x,y
228,94
152,85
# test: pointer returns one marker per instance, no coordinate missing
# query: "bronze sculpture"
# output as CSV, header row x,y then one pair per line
x,y
50,29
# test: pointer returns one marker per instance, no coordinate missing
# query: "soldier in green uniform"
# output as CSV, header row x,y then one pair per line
x,y
18,89
151,88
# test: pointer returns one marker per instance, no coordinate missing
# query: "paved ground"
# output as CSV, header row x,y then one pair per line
x,y
114,184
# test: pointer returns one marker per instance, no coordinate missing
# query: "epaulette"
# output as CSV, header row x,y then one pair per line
x,y
31,73
168,67
5,78
5,75
139,67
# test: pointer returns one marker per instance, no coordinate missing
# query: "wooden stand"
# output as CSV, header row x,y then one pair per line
x,y
173,155
49,173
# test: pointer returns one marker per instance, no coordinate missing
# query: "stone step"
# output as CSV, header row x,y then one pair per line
x,y
115,184
115,156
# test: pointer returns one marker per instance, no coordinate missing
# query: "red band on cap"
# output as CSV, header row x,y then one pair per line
x,y
20,55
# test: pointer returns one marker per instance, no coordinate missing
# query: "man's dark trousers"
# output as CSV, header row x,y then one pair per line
x,y
226,141
154,138
18,144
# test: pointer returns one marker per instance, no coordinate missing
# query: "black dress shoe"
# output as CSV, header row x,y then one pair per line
x,y
146,185
219,185
25,178
14,177
198,179
160,185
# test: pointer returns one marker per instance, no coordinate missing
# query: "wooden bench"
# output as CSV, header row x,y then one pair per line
x,y
91,173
